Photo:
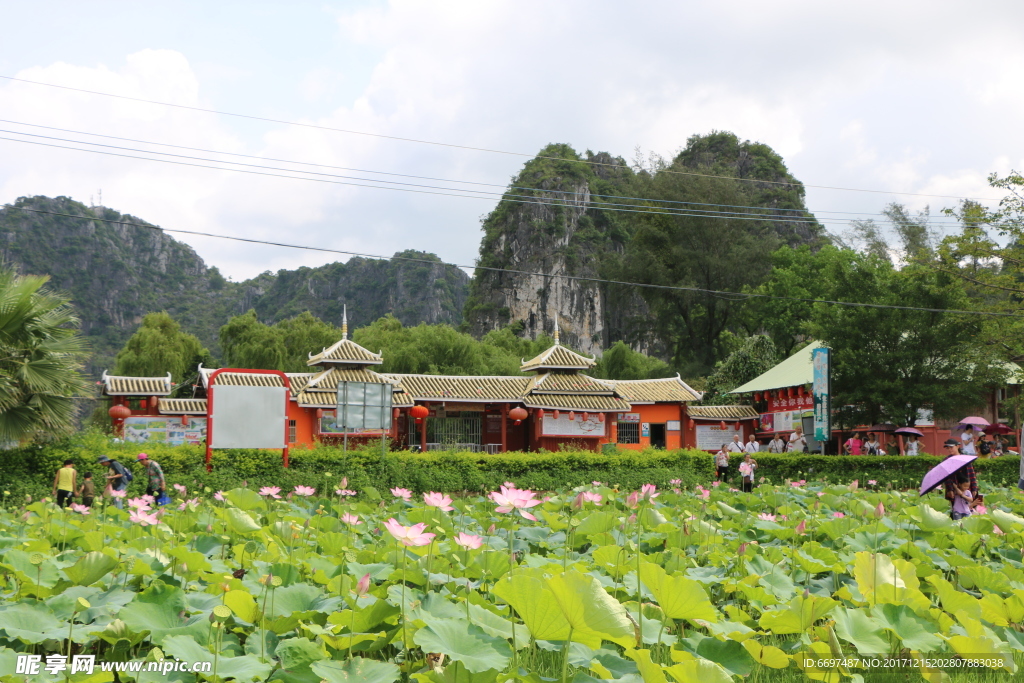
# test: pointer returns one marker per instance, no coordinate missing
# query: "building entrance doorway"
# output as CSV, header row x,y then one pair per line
x,y
658,435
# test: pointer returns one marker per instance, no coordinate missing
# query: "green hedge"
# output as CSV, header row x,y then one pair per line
x,y
30,470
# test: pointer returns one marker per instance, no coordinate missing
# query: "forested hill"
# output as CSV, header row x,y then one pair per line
x,y
116,273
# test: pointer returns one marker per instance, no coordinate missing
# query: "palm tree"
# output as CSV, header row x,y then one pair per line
x,y
41,351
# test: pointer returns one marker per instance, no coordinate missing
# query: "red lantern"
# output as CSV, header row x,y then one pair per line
x,y
394,414
757,395
419,412
689,424
540,414
722,424
737,426
119,412
572,415
557,414
518,414
184,420
800,391
600,417
790,392
586,417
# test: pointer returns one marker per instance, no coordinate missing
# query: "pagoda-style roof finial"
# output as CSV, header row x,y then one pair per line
x,y
556,329
344,321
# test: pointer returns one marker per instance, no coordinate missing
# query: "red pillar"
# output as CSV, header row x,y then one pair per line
x,y
423,435
504,427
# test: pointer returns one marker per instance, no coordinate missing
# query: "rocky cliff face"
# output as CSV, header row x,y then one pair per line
x,y
116,273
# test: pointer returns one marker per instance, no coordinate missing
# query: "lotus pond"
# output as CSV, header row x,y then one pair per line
x,y
593,584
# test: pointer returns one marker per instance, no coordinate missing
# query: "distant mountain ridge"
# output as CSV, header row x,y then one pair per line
x,y
115,273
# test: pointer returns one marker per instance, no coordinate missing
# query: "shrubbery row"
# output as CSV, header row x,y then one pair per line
x,y
30,470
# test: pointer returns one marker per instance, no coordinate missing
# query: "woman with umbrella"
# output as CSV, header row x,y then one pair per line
x,y
954,469
912,447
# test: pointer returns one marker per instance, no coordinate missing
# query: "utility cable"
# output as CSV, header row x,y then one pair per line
x,y
796,185
735,296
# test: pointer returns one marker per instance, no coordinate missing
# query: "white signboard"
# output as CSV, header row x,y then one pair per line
x,y
248,417
710,437
563,426
166,430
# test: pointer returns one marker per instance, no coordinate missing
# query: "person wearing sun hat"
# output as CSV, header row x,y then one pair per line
x,y
155,482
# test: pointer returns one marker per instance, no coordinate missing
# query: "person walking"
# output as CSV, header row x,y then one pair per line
x,y
64,483
752,445
118,478
797,441
965,473
88,490
722,463
853,444
156,485
776,445
747,469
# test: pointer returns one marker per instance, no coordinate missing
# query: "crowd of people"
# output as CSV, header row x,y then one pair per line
x,y
117,478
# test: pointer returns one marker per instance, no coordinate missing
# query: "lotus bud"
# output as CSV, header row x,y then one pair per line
x,y
363,585
632,499
801,528
117,627
491,529
209,528
741,549
577,502
305,525
880,510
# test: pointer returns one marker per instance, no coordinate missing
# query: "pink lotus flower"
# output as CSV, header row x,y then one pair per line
x,y
880,510
798,484
180,489
304,491
597,483
344,492
404,494
114,493
140,504
838,515
703,492
647,492
509,485
439,501
509,499
144,519
271,491
716,484
409,535
766,517
872,482
363,586
80,509
854,484
191,504
980,509
632,500
219,496
343,484
349,518
468,541
998,531
585,497
820,494
675,482
149,499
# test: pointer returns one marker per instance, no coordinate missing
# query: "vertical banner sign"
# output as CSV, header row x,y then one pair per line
x,y
821,388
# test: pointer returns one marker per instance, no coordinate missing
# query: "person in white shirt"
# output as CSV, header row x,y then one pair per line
x,y
968,442
736,446
722,463
913,446
753,445
776,445
797,441
871,446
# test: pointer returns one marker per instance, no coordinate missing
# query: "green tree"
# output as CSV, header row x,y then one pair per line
x,y
755,356
622,362
248,343
160,346
41,352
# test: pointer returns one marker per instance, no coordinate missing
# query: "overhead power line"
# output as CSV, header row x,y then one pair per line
x,y
466,147
405,175
423,189
734,296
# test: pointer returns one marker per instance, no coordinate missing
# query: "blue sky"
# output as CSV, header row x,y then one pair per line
x,y
910,97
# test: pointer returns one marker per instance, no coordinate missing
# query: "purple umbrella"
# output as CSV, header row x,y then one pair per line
x,y
909,430
943,470
974,421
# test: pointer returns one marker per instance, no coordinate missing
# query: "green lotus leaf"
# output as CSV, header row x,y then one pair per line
x,y
798,617
465,643
953,600
1007,521
679,597
699,670
533,600
915,632
245,499
729,654
299,597
591,613
90,568
597,523
161,609
356,670
241,668
766,655
649,670
856,627
983,650
240,522
243,605
28,623
297,655
42,573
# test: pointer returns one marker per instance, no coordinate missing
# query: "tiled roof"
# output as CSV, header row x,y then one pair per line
x,y
558,358
671,389
317,399
346,351
441,387
136,386
568,383
722,412
182,406
401,399
327,380
242,379
298,380
576,402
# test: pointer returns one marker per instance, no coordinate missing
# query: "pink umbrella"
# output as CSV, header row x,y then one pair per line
x,y
938,474
909,430
974,421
